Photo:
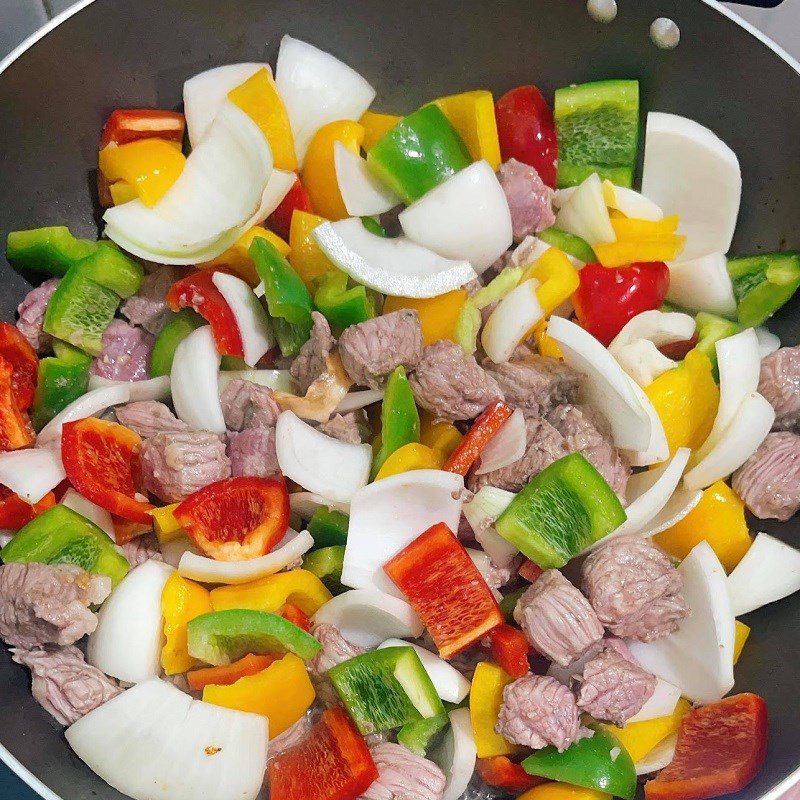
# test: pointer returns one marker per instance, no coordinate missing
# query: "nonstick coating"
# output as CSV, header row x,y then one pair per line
x,y
54,98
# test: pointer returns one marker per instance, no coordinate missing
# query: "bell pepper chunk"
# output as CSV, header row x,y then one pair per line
x,y
296,616
181,601
375,126
558,790
479,435
298,587
178,327
343,768
441,436
61,379
296,200
282,693
327,564
343,307
15,426
126,125
410,457
237,259
16,350
764,283
639,738
328,527
644,249
485,699
101,460
445,588
546,344
109,267
307,258
437,315
510,648
742,634
15,513
419,736
226,674
503,773
721,748
569,243
558,279
472,115
399,418
167,528
51,250
121,192
710,329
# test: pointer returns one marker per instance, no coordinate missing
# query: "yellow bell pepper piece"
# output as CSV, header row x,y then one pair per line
x,y
375,126
299,587
437,315
639,738
558,279
282,692
719,519
556,790
546,344
472,115
122,192
630,228
648,248
410,457
307,259
742,632
237,256
258,97
166,526
150,166
485,699
319,167
438,435
181,601
686,400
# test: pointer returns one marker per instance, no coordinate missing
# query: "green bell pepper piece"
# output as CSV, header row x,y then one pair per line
x,y
373,226
328,527
564,509
343,307
62,380
385,689
178,327
420,736
289,336
509,603
112,268
221,637
599,762
420,152
327,564
51,250
763,283
570,243
399,418
62,536
710,329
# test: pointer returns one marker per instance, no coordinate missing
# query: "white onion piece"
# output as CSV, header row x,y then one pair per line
x,y
658,757
363,194
128,639
682,502
768,342
657,449
450,684
466,217
367,617
278,185
88,405
511,320
154,742
173,550
506,447
278,379
607,387
395,267
388,515
769,571
316,89
643,361
31,473
630,202
320,463
481,513
457,754
5,536
86,508
585,213
199,568
690,171
658,327
250,316
194,378
359,399
661,703
304,504
703,284
698,657
204,94
483,564
151,389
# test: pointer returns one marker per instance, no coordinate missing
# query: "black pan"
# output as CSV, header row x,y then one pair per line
x,y
56,94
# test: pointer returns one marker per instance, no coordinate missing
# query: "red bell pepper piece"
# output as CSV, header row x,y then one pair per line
x,y
503,773
125,530
227,674
529,571
130,124
509,649
296,616
15,427
677,350
297,199
198,291
16,513
478,436
333,762
721,747
236,518
445,588
101,460
16,349
608,297
527,131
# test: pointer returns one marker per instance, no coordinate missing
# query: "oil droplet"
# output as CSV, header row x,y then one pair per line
x,y
602,10
665,33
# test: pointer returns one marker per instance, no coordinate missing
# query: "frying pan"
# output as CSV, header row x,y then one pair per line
x,y
55,95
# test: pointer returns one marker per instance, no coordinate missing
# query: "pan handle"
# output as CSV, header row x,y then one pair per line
x,y
759,3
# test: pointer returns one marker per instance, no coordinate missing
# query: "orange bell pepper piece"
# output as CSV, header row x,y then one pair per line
x,y
227,674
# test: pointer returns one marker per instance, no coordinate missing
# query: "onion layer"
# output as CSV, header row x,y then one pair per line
x,y
195,382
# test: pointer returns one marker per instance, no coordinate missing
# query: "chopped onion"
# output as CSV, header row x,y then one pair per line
x,y
450,684
195,382
278,185
585,213
250,316
363,194
31,473
690,171
481,513
367,617
682,502
320,463
466,217
388,515
151,389
86,508
356,400
768,342
205,93
278,379
506,447
607,387
630,202
643,361
210,204
658,757
661,703
173,550
88,405
703,284
390,266
128,639
769,571
199,568
154,742
511,320
316,89
457,754
484,565
304,504
698,657
323,396
657,449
